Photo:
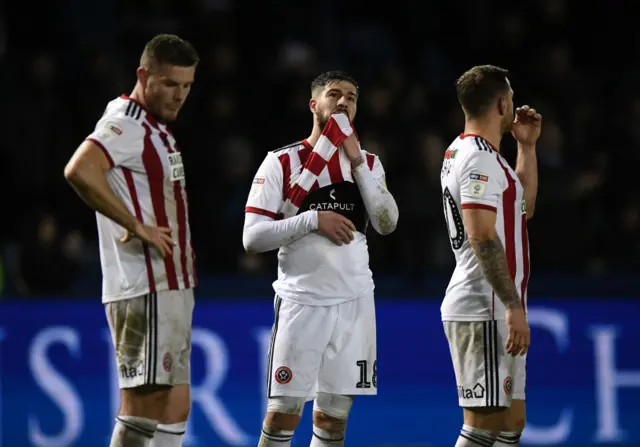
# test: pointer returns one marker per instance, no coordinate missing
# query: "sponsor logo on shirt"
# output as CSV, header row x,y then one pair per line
x,y
479,177
332,206
115,129
478,184
109,131
256,187
176,168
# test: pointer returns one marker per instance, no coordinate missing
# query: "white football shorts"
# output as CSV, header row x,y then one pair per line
x,y
329,349
152,338
486,375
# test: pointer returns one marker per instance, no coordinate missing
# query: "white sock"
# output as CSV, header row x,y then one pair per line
x,y
324,438
507,439
169,435
475,437
132,431
275,438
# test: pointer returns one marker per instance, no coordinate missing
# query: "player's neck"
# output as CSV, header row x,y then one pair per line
x,y
316,132
138,96
489,131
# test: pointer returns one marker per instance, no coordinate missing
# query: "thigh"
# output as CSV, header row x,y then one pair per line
x,y
484,370
129,322
152,338
175,323
299,337
350,363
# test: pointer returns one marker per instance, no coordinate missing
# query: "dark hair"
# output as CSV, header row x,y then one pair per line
x,y
479,87
169,49
323,79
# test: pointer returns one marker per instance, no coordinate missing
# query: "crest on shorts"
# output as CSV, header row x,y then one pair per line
x,y
167,362
508,386
283,375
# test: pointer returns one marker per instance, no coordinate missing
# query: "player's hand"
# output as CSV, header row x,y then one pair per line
x,y
336,227
527,126
159,237
351,149
519,336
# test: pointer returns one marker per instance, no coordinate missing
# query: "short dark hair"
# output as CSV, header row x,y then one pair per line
x,y
479,87
326,78
169,49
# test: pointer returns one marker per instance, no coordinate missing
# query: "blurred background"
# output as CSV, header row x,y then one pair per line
x,y
62,61
63,65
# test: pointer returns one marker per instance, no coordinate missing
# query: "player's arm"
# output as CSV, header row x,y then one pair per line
x,y
86,172
263,233
480,225
379,202
114,142
263,230
481,185
527,171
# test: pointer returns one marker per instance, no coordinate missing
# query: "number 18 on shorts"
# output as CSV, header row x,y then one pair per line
x,y
328,349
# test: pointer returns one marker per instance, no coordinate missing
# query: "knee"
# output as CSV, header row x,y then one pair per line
x,y
146,401
518,425
328,423
512,431
330,412
178,405
516,417
283,413
173,415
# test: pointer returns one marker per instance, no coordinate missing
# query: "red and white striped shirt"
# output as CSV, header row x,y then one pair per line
x,y
475,175
312,270
147,174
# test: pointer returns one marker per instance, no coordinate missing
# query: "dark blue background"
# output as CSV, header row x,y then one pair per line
x,y
569,379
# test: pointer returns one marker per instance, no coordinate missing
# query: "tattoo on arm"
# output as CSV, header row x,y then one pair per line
x,y
492,260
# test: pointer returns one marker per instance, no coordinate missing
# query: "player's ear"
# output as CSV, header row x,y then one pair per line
x,y
313,104
502,106
142,75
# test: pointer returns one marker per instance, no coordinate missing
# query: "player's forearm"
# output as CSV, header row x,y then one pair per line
x,y
380,204
93,188
263,234
527,171
493,261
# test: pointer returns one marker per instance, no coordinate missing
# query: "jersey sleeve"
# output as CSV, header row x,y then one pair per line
x,y
265,196
375,165
481,181
378,172
120,139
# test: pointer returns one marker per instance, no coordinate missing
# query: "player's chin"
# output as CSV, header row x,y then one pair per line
x,y
170,115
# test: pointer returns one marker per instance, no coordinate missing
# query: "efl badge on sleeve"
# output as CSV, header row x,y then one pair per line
x,y
109,131
478,184
256,187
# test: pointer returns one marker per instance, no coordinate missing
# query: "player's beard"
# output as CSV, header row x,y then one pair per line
x,y
325,115
323,118
506,124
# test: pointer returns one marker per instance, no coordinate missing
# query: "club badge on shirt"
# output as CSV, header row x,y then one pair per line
x,y
176,168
